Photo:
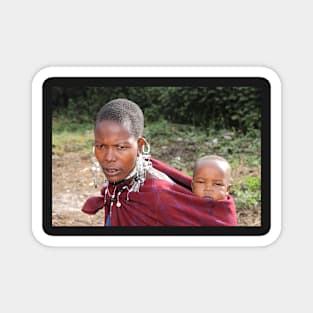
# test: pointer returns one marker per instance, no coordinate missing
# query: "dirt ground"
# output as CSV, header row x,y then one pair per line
x,y
72,185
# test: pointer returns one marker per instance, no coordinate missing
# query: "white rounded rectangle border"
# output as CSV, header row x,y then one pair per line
x,y
156,241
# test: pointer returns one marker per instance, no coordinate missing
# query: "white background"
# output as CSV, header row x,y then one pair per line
x,y
36,34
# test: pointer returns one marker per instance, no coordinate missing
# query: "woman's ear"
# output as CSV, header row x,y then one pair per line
x,y
141,142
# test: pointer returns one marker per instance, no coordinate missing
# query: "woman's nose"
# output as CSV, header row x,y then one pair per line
x,y
109,155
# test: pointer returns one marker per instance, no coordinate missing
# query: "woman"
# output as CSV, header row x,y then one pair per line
x,y
137,193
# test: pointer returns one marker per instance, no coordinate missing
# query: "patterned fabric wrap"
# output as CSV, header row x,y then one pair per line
x,y
163,203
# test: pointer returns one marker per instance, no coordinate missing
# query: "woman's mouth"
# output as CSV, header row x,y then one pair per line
x,y
110,172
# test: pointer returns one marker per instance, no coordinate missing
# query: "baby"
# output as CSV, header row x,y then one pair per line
x,y
211,178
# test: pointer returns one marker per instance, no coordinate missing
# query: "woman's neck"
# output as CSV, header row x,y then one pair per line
x,y
127,179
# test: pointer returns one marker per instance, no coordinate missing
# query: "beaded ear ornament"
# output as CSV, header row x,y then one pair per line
x,y
143,165
96,170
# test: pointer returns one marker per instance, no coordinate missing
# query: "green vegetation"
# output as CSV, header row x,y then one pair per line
x,y
182,124
207,107
180,145
247,192
69,136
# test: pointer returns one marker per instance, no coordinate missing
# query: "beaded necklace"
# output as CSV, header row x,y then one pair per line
x,y
134,186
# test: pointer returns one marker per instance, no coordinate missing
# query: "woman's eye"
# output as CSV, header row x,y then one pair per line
x,y
99,147
121,147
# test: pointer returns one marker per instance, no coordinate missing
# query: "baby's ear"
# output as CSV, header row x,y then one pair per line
x,y
228,188
192,185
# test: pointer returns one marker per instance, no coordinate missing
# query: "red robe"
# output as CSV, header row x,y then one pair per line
x,y
163,203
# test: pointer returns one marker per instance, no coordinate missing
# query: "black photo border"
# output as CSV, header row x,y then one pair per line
x,y
262,83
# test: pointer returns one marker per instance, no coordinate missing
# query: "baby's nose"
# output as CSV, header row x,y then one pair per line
x,y
208,186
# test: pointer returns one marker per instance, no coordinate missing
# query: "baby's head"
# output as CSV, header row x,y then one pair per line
x,y
211,177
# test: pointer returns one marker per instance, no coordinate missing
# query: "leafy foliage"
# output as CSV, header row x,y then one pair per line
x,y
219,108
182,124
247,192
180,145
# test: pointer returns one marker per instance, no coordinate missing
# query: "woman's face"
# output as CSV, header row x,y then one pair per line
x,y
115,149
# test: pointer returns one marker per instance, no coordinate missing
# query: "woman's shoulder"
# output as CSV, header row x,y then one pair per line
x,y
154,173
163,184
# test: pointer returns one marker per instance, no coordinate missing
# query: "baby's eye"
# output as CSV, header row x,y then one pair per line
x,y
199,182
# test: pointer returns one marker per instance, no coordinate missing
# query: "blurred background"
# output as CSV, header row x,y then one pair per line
x,y
181,125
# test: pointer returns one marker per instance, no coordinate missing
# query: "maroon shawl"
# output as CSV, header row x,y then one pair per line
x,y
163,203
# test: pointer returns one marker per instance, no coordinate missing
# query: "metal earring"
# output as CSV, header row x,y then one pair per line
x,y
95,168
146,156
140,170
143,164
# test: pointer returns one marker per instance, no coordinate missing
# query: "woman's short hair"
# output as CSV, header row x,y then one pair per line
x,y
124,112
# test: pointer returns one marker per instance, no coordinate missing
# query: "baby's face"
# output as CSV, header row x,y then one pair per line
x,y
211,180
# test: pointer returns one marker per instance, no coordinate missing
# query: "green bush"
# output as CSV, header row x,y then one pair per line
x,y
247,192
180,145
220,108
